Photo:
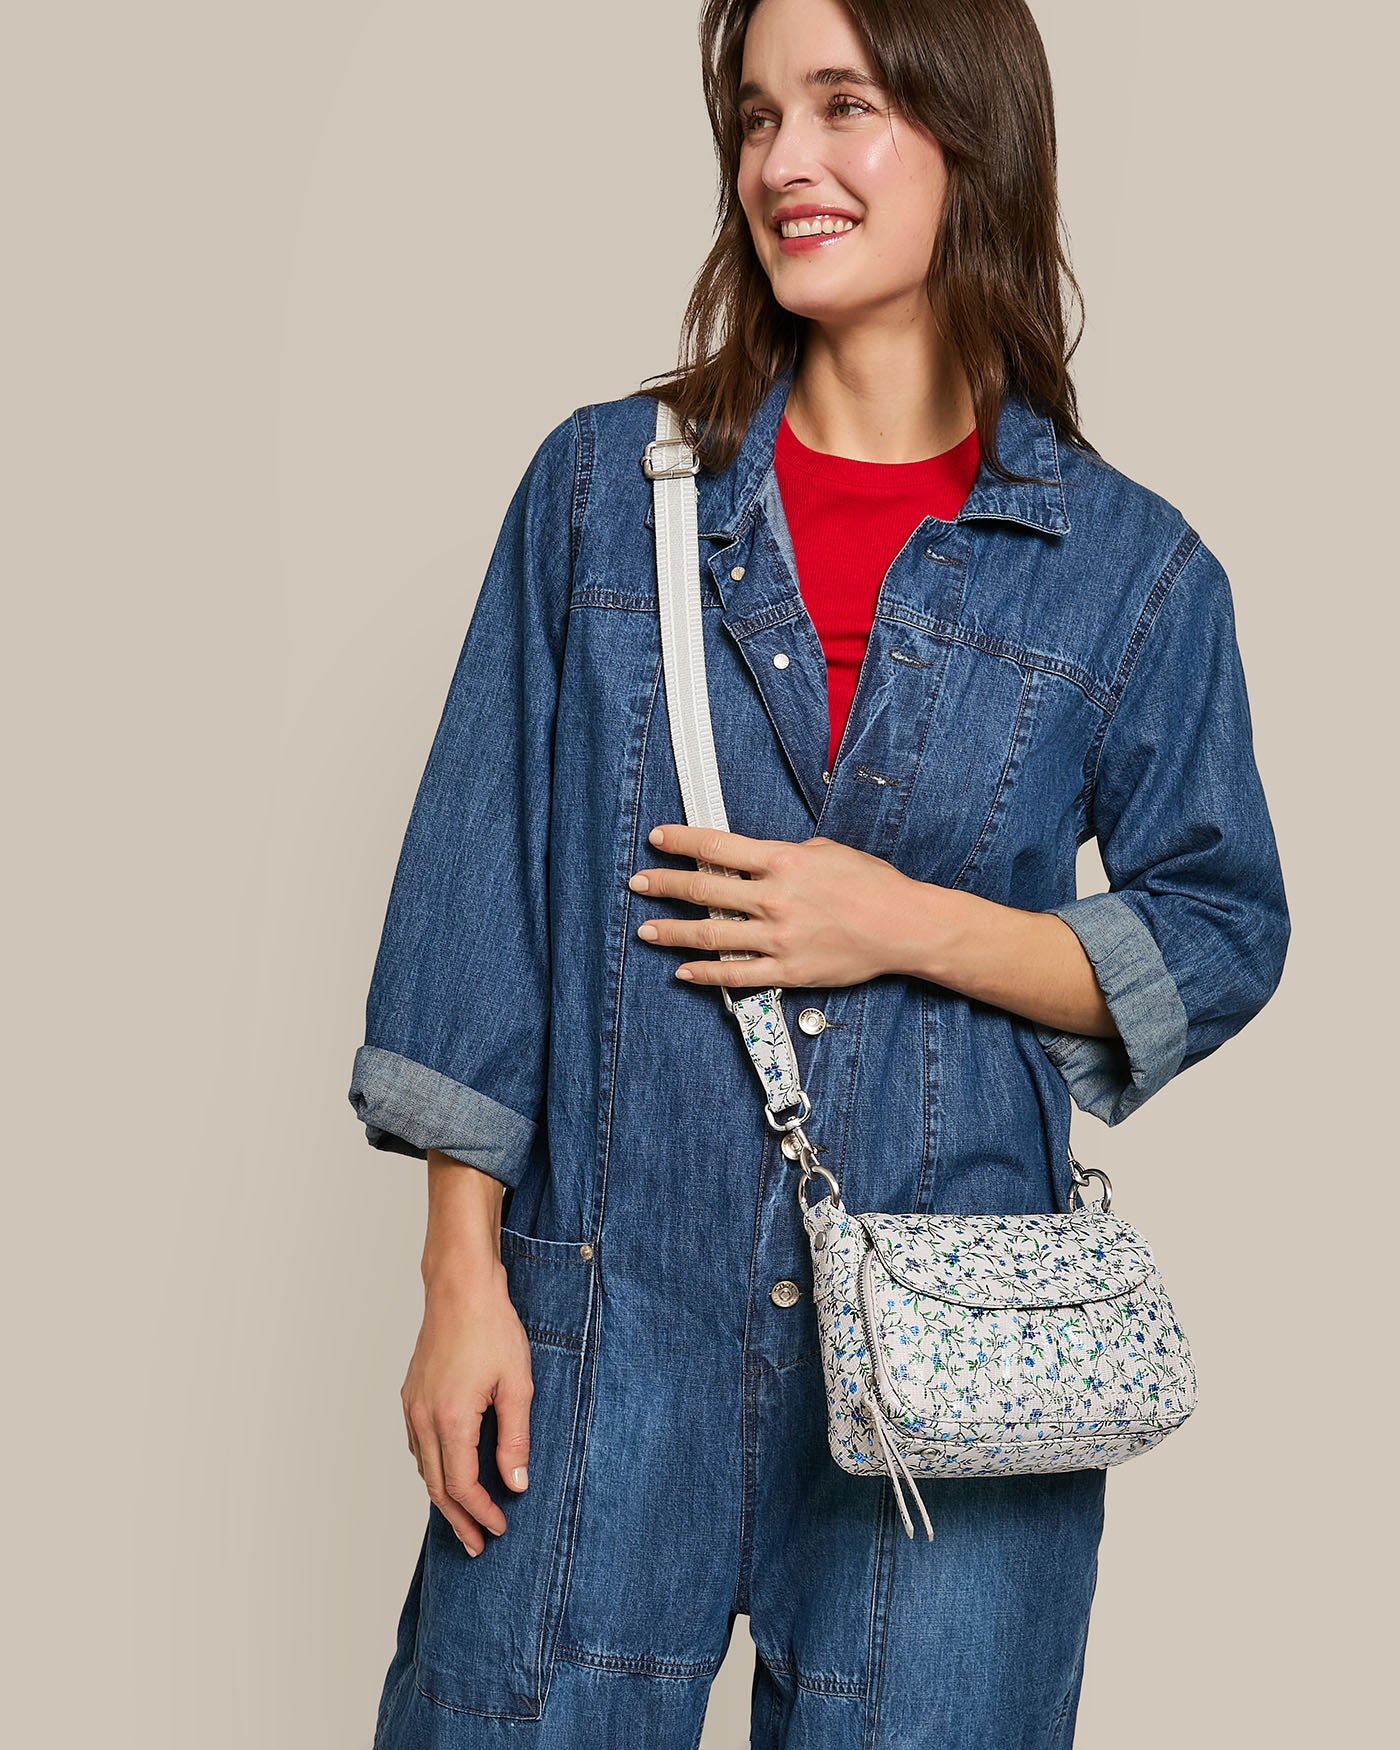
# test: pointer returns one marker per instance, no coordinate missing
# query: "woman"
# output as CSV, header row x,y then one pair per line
x,y
1001,646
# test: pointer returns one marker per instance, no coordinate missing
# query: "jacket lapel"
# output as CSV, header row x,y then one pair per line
x,y
765,615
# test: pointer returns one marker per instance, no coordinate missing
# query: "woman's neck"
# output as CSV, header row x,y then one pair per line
x,y
879,397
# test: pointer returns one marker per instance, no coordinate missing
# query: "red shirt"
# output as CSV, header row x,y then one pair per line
x,y
847,520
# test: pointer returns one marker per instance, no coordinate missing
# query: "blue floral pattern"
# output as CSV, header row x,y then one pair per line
x,y
1005,1343
769,1045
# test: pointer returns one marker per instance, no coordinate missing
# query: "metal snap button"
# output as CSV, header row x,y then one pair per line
x,y
826,777
784,1293
585,1250
781,659
736,572
811,1020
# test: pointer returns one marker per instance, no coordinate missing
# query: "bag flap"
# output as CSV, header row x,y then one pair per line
x,y
1057,1259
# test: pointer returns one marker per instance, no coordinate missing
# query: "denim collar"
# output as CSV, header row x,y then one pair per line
x,y
1026,439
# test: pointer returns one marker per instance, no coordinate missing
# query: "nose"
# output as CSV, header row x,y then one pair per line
x,y
791,156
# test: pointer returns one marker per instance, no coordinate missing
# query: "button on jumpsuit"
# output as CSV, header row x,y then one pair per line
x,y
1056,663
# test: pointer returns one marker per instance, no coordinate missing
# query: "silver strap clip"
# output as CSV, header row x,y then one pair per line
x,y
1081,1177
674,471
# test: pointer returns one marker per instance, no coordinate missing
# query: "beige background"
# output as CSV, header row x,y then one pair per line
x,y
293,290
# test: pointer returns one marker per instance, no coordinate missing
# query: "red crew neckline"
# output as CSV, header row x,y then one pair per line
x,y
897,476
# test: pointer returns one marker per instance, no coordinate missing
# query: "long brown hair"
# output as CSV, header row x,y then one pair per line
x,y
974,74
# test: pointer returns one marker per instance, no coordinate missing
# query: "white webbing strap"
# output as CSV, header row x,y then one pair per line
x,y
671,465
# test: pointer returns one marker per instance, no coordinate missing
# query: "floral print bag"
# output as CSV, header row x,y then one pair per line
x,y
952,1345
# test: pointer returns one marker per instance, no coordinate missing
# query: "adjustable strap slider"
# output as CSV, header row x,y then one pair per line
x,y
674,470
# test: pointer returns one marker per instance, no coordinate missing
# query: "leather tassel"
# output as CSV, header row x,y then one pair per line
x,y
894,1457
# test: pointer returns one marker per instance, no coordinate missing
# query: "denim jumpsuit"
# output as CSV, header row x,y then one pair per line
x,y
1057,662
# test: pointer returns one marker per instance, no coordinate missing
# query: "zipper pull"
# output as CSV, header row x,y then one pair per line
x,y
892,1456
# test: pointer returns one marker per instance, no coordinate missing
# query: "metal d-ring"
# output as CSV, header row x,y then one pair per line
x,y
807,1173
1081,1177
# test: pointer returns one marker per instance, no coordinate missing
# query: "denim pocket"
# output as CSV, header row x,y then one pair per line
x,y
487,1624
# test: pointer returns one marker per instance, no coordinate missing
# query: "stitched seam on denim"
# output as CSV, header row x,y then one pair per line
x,y
895,822
878,1636
549,1627
750,515
789,607
1008,765
459,1707
573,1477
553,1338
577,1262
637,1664
952,632
839,1145
829,1685
851,1686
775,613
1127,666
583,481
931,1027
742,1601
634,860
1053,443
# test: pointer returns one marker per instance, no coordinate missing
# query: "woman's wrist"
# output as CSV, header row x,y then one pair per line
x,y
463,1239
1028,962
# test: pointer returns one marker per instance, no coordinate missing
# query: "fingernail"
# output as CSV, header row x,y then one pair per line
x,y
468,1548
520,1476
648,932
656,835
684,972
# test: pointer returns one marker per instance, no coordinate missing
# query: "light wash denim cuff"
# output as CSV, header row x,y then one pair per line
x,y
1112,1077
408,1108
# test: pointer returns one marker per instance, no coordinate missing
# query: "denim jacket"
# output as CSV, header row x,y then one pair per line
x,y
1057,662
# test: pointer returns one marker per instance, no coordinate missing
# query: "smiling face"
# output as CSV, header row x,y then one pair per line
x,y
822,147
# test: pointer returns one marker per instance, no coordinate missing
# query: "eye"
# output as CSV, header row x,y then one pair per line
x,y
750,120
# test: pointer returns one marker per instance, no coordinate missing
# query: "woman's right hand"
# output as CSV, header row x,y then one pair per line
x,y
472,1352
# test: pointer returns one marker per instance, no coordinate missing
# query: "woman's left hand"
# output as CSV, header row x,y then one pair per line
x,y
816,912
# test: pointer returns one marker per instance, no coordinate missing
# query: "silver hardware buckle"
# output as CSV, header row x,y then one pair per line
x,y
798,1146
677,470
1081,1177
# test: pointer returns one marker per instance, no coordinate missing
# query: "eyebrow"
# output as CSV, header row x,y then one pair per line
x,y
818,76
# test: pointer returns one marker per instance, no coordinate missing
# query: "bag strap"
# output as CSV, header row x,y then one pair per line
x,y
671,465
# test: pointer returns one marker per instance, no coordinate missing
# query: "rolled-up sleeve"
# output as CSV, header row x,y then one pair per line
x,y
456,1021
1189,942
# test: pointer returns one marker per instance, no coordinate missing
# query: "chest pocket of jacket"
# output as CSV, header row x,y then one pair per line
x,y
986,710
488,1624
